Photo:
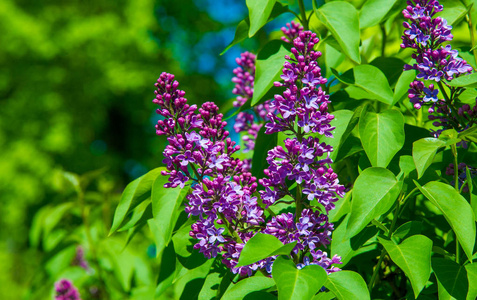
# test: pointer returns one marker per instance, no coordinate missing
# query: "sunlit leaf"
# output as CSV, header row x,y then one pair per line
x,y
413,256
297,284
341,19
347,285
262,246
455,209
382,135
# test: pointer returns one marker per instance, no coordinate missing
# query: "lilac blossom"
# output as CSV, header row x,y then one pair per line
x,y
223,196
291,31
425,34
65,290
79,259
302,110
200,154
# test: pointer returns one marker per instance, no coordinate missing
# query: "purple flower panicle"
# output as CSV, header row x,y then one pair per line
x,y
425,34
223,193
65,290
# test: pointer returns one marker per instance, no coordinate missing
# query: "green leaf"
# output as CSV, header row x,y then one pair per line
x,y
468,81
259,11
406,164
374,192
452,278
262,246
382,136
165,210
413,256
143,209
408,229
456,210
241,32
423,152
372,80
341,121
268,69
402,85
454,11
450,136
472,277
263,144
373,12
297,284
247,286
134,193
341,19
392,67
469,134
347,285
347,247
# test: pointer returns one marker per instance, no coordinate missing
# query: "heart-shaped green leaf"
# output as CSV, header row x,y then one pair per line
x,y
261,246
134,193
455,209
247,286
341,19
452,279
374,192
297,284
372,80
259,11
413,256
382,136
268,68
347,285
423,152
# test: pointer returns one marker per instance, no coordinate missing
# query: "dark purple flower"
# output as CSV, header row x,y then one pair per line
x,y
65,290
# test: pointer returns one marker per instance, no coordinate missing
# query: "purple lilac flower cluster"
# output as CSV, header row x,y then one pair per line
x,y
291,31
222,192
79,259
302,109
425,34
65,290
200,152
461,174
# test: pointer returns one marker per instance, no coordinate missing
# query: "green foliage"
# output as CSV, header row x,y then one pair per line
x,y
413,256
261,246
374,192
341,19
297,284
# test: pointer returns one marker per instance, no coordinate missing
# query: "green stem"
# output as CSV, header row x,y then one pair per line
x,y
383,252
456,185
383,41
298,203
229,228
296,15
448,101
472,35
92,248
303,14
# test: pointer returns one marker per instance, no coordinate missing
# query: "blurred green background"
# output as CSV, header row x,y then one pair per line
x,y
76,84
